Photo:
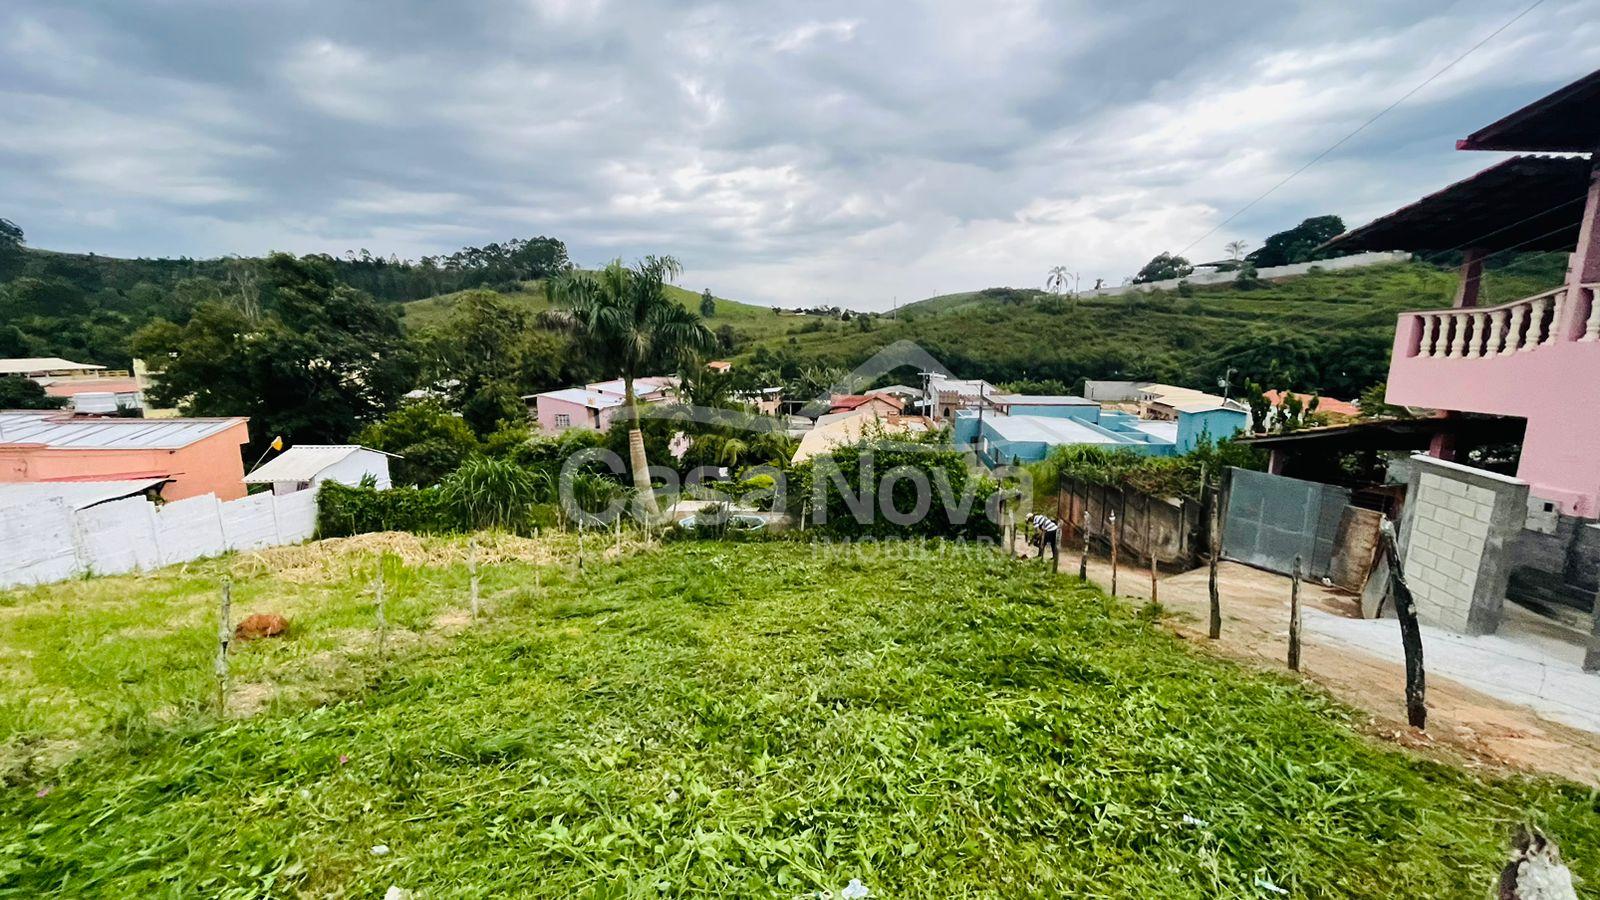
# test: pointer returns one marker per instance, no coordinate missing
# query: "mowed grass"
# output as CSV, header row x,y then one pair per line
x,y
725,720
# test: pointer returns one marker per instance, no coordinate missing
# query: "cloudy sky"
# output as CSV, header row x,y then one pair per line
x,y
845,152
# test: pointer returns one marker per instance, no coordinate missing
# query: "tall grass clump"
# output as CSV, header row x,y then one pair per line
x,y
493,493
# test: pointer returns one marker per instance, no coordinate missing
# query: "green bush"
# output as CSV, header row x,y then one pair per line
x,y
1157,476
864,468
493,493
343,510
429,439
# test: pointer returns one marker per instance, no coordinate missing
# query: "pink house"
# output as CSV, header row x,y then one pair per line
x,y
1536,358
200,456
594,405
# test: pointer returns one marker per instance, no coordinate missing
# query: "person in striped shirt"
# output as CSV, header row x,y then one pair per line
x,y
1045,532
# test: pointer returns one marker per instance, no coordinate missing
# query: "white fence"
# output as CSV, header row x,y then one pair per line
x,y
1354,261
47,540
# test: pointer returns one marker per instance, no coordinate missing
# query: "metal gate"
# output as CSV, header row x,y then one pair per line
x,y
1272,519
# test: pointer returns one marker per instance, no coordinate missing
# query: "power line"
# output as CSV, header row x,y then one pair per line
x,y
1362,127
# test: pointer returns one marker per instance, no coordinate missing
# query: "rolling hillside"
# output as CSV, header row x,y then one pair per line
x,y
750,322
1329,332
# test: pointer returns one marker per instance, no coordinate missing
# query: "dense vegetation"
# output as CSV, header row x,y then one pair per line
x,y
750,720
1327,332
85,306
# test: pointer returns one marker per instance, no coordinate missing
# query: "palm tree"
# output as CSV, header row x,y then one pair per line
x,y
1056,280
1235,249
624,320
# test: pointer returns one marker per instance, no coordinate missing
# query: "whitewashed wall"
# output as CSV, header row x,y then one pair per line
x,y
1354,261
45,540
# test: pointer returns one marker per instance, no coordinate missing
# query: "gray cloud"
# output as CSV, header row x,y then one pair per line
x,y
817,152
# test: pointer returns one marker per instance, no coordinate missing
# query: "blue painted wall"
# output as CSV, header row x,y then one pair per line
x,y
1213,423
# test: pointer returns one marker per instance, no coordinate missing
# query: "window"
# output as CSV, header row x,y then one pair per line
x,y
563,420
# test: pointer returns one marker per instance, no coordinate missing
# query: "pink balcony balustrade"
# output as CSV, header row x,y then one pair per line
x,y
1537,358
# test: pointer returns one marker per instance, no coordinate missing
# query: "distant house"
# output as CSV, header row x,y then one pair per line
x,y
1336,411
96,395
767,401
304,466
851,427
952,395
1023,428
904,392
199,456
46,366
880,404
720,366
593,406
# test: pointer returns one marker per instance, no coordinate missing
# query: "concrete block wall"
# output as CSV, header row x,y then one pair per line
x,y
1460,524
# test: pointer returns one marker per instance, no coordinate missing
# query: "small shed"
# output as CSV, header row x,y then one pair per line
x,y
304,466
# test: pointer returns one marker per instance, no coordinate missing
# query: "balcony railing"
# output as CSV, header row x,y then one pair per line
x,y
1520,326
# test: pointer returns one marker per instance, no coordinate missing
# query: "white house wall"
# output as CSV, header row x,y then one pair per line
x,y
356,466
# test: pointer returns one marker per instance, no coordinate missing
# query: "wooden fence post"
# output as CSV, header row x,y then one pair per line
x,y
377,608
1116,540
1294,617
1083,561
1150,549
224,638
472,574
1410,632
1214,548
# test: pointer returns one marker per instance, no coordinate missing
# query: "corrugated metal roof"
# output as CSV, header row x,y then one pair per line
x,y
30,364
303,462
591,399
56,431
77,494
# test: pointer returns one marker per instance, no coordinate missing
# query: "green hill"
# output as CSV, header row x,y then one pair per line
x,y
749,322
1329,331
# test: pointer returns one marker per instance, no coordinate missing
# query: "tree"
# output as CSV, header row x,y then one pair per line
x,y
10,245
1056,280
485,356
708,304
1235,249
322,360
1162,267
1299,243
429,440
17,392
622,316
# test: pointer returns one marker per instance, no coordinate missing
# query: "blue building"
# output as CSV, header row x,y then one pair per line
x,y
1023,428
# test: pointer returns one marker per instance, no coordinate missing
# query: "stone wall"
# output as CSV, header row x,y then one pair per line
x,y
1460,524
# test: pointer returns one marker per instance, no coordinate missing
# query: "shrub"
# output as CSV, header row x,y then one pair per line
x,y
492,493
344,510
430,440
846,483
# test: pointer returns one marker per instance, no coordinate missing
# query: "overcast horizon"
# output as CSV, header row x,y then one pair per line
x,y
801,154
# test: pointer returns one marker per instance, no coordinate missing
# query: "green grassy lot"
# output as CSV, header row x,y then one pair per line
x,y
729,720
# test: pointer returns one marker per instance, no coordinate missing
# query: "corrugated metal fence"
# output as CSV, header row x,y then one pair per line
x,y
1272,519
47,540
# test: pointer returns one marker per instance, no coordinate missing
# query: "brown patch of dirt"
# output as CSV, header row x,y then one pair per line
x,y
1465,727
